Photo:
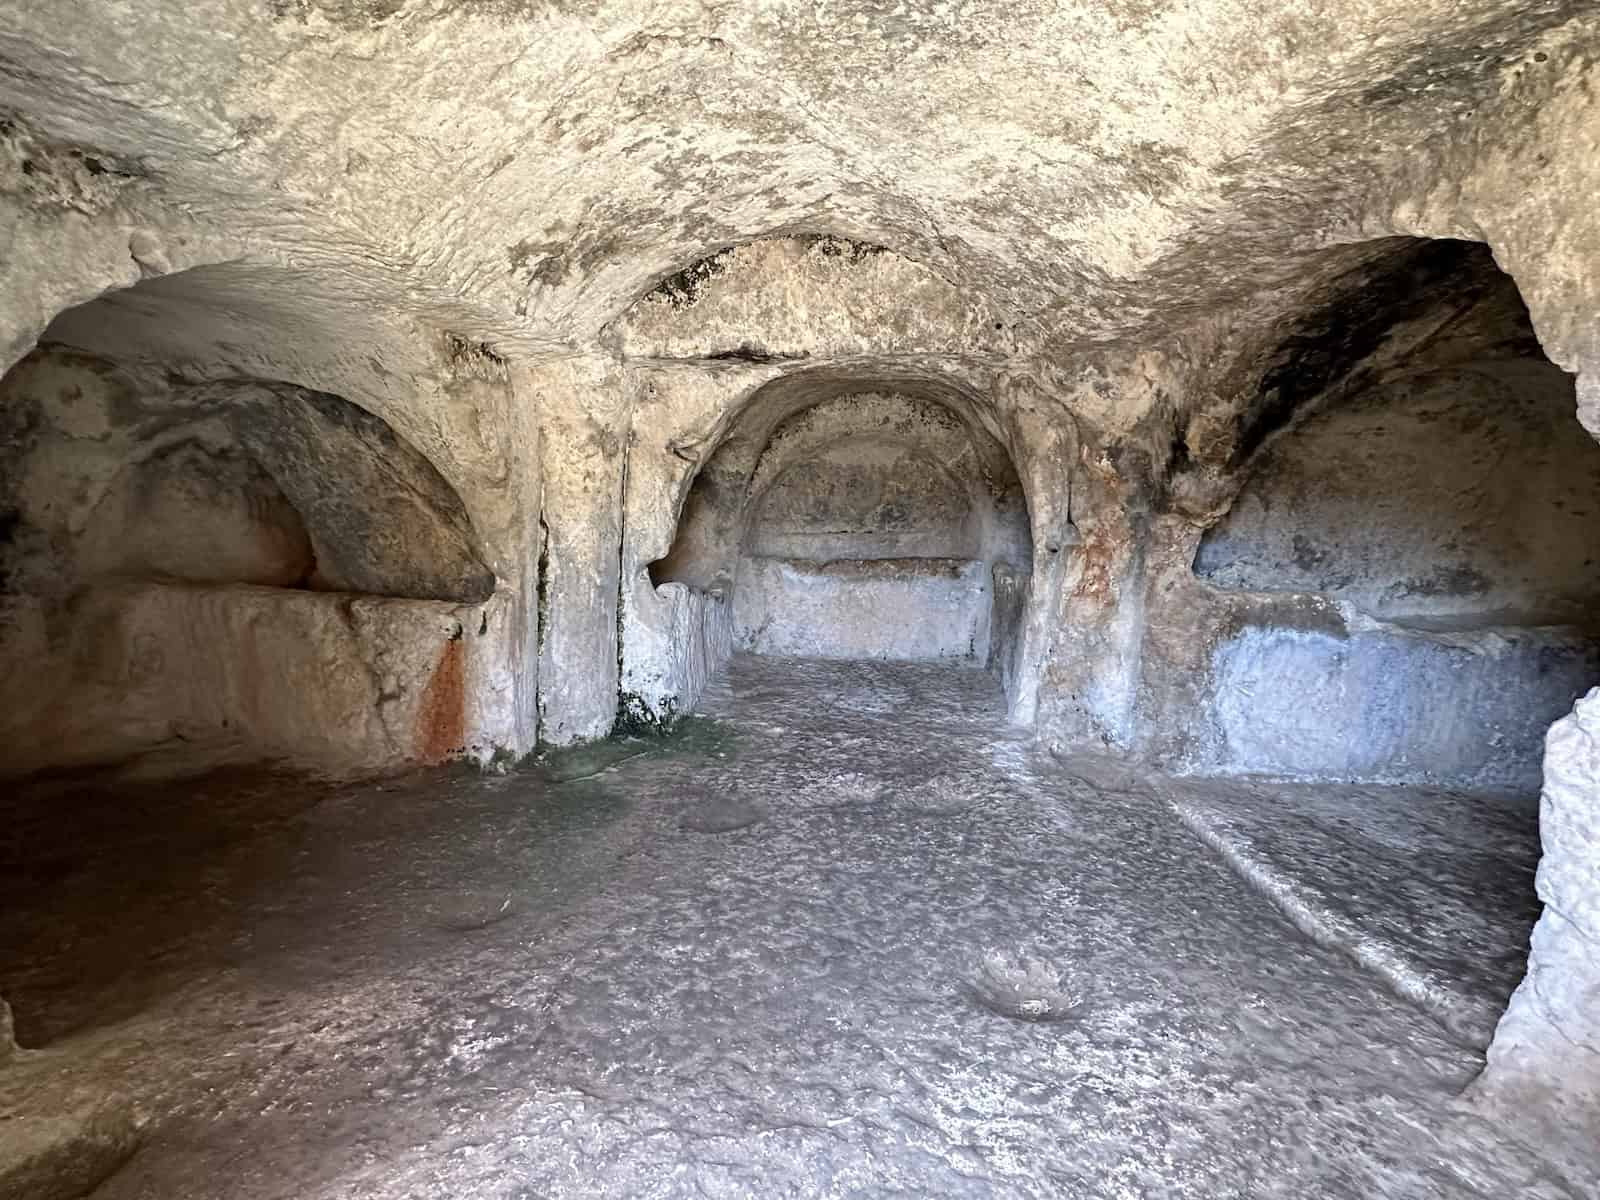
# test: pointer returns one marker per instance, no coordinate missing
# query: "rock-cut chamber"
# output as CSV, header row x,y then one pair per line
x,y
869,524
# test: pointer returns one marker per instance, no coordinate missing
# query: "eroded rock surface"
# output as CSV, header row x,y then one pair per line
x,y
1547,1047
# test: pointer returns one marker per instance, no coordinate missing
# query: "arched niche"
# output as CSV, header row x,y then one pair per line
x,y
1380,570
202,566
855,514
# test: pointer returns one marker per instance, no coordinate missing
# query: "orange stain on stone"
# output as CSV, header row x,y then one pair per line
x,y
442,719
1098,555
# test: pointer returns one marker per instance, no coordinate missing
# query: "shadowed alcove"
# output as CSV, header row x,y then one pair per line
x,y
859,520
1400,587
198,565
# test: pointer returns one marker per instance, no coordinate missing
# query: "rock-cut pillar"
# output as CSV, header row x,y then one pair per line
x,y
1547,1046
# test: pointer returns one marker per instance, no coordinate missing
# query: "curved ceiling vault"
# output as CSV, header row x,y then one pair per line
x,y
591,155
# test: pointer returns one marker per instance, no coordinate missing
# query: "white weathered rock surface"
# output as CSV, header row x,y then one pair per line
x,y
915,609
1546,1052
342,684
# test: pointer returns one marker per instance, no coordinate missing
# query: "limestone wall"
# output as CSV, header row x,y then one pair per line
x,y
1402,591
186,677
1461,495
891,608
140,511
1544,1062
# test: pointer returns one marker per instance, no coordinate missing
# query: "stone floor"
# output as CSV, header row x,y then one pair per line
x,y
844,935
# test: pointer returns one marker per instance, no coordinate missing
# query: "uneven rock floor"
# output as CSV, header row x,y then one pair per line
x,y
848,935
1432,891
